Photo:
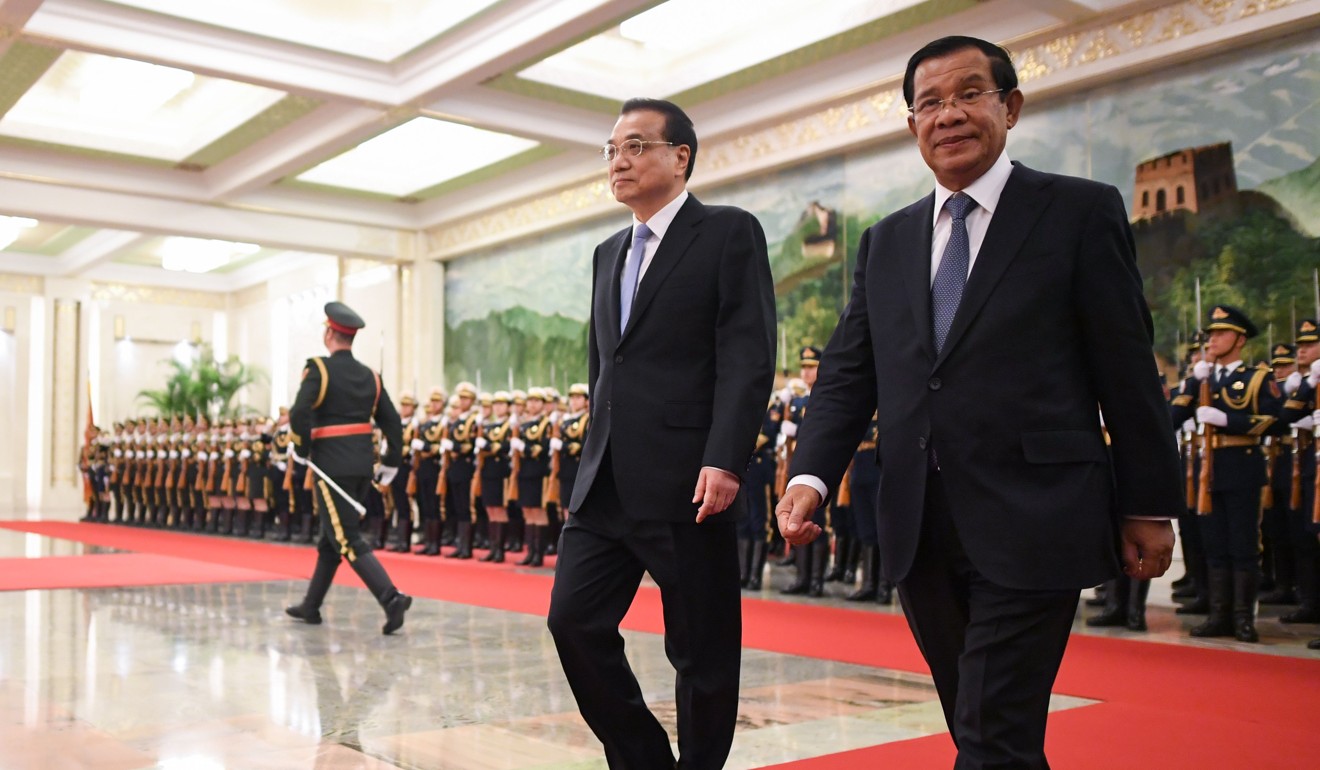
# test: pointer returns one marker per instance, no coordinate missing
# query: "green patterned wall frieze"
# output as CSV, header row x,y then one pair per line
x,y
275,117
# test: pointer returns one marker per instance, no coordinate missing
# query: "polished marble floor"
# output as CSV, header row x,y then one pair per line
x,y
211,677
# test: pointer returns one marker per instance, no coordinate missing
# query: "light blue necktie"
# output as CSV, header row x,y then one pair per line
x,y
946,292
631,269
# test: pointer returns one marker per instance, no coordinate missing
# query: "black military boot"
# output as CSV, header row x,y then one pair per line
x,y
802,561
841,546
533,545
744,561
1308,586
820,555
1200,585
309,609
257,529
1220,622
240,528
850,564
1245,589
403,535
304,528
496,554
1136,616
462,541
1115,612
867,590
1099,600
395,604
757,566
432,538
536,546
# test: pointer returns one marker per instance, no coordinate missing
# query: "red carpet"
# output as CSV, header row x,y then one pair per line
x,y
1163,706
117,570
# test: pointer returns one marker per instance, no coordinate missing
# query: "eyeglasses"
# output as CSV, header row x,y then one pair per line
x,y
631,147
932,106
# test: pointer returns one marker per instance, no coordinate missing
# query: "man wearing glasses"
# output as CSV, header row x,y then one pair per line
x,y
681,345
991,323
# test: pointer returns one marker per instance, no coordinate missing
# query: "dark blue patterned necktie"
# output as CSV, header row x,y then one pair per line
x,y
632,268
946,291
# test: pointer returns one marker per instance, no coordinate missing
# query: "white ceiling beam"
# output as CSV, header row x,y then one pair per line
x,y
128,32
96,249
14,15
317,136
62,168
529,182
24,263
507,36
523,116
95,208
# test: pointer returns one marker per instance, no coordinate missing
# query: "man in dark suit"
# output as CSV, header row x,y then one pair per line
x,y
681,342
991,333
331,421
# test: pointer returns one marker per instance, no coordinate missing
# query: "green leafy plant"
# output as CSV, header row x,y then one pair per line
x,y
204,386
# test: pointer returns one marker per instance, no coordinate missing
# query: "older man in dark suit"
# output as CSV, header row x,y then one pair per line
x,y
681,357
992,323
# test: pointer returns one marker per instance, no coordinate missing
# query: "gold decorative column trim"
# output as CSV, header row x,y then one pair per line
x,y
153,295
22,284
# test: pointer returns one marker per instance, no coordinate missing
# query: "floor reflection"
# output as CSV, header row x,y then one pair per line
x,y
215,676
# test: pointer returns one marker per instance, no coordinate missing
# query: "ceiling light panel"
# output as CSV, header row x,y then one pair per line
x,y
380,30
130,107
682,44
416,155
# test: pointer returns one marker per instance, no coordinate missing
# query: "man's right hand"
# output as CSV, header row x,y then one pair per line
x,y
794,514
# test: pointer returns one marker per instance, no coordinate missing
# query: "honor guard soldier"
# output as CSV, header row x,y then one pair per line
x,y
403,514
493,466
425,447
759,488
117,472
1278,567
572,433
280,442
1182,412
461,461
1299,414
331,421
533,448
1244,403
864,482
810,560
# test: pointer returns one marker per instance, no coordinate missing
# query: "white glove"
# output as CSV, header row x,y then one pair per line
x,y
1189,425
780,440
417,445
151,454
1209,415
1316,415
119,453
174,454
282,466
1314,377
1306,423
789,428
298,458
229,454
185,454
1293,382
245,454
517,445
385,474
482,443
202,457
556,444
446,445
786,395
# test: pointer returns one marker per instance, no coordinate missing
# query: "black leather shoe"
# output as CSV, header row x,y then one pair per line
x,y
310,617
1199,606
394,613
1302,615
1108,619
1244,630
1314,644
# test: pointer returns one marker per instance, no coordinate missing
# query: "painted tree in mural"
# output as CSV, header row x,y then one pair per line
x,y
203,386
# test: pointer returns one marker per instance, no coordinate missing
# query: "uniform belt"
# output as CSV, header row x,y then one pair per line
x,y
1223,442
347,429
866,446
1284,440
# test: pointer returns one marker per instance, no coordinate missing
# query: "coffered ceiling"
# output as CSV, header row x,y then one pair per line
x,y
213,145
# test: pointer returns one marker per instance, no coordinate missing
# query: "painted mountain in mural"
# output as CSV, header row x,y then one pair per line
x,y
517,343
1298,194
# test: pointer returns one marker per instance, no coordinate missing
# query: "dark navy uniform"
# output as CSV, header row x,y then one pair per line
x,y
462,436
494,454
758,487
533,472
1299,408
331,420
1278,568
864,482
1250,401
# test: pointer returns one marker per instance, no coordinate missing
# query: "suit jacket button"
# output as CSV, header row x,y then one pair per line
x,y
921,443
618,359
935,383
607,406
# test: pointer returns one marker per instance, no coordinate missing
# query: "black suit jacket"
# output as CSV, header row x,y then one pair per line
x,y
1052,327
685,384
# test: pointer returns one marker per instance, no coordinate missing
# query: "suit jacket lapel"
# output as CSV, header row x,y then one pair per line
x,y
917,231
682,231
617,250
1021,204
